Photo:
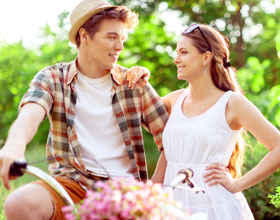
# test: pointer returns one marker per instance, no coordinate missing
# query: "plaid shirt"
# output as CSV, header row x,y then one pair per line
x,y
53,89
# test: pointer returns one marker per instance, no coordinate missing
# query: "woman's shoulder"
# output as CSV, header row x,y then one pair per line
x,y
236,99
239,106
175,94
170,99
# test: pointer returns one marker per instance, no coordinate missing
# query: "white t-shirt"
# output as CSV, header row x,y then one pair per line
x,y
98,133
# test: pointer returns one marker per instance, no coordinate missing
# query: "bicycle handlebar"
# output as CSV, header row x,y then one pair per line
x,y
185,176
19,168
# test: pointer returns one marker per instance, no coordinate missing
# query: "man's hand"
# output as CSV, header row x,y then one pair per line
x,y
134,74
8,154
219,174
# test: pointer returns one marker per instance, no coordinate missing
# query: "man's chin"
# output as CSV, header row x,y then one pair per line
x,y
112,66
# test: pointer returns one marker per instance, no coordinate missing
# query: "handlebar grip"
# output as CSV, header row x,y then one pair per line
x,y
188,172
16,168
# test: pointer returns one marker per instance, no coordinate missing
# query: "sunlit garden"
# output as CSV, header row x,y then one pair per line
x,y
254,33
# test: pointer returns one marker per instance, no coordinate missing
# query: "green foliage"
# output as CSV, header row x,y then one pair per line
x,y
275,199
254,33
252,79
254,74
17,66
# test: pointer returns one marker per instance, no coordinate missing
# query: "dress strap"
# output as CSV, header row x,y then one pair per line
x,y
178,103
224,100
226,96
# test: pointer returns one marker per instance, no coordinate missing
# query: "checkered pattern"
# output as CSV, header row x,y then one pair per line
x,y
53,89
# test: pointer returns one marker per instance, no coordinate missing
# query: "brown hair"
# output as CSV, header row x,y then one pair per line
x,y
121,13
223,76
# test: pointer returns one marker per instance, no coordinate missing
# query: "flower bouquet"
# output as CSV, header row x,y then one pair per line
x,y
126,199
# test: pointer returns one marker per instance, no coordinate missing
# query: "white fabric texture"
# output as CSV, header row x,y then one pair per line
x,y
195,142
98,132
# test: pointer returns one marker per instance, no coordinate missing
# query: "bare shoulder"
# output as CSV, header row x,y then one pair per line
x,y
173,96
241,111
237,100
170,99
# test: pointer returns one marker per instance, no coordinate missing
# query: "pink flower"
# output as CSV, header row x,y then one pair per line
x,y
117,196
124,199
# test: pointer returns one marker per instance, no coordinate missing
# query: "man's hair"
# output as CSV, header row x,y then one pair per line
x,y
121,13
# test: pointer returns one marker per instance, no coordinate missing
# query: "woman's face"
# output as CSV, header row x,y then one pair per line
x,y
188,59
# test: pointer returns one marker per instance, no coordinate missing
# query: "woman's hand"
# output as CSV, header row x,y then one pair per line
x,y
219,174
135,74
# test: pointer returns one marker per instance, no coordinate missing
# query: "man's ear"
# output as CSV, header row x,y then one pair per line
x,y
83,34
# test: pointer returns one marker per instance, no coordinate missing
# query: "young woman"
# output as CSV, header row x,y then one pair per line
x,y
204,129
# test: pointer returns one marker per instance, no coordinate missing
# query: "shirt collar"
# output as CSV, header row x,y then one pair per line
x,y
116,73
73,71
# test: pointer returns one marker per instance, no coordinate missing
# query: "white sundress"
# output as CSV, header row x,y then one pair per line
x,y
195,142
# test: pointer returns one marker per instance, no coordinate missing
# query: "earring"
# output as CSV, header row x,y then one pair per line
x,y
204,72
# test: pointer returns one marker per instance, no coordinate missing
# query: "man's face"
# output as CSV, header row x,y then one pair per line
x,y
104,48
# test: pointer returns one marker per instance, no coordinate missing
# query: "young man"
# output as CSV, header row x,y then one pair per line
x,y
94,115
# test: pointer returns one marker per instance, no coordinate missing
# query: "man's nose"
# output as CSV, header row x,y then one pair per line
x,y
119,45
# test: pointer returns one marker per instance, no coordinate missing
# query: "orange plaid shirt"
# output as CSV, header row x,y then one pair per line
x,y
53,89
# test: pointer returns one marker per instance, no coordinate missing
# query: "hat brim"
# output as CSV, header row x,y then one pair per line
x,y
79,23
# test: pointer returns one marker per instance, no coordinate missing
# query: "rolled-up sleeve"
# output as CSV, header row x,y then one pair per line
x,y
39,91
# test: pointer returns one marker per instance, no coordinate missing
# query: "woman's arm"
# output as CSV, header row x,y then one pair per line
x,y
242,113
168,101
158,176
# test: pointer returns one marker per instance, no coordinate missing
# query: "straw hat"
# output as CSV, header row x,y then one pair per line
x,y
82,12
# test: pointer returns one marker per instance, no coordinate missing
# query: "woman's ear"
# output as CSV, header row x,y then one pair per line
x,y
207,57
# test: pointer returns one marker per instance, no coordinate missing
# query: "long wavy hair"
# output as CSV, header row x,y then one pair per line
x,y
224,78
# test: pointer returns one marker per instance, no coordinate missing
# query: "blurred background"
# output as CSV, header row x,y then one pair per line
x,y
252,27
